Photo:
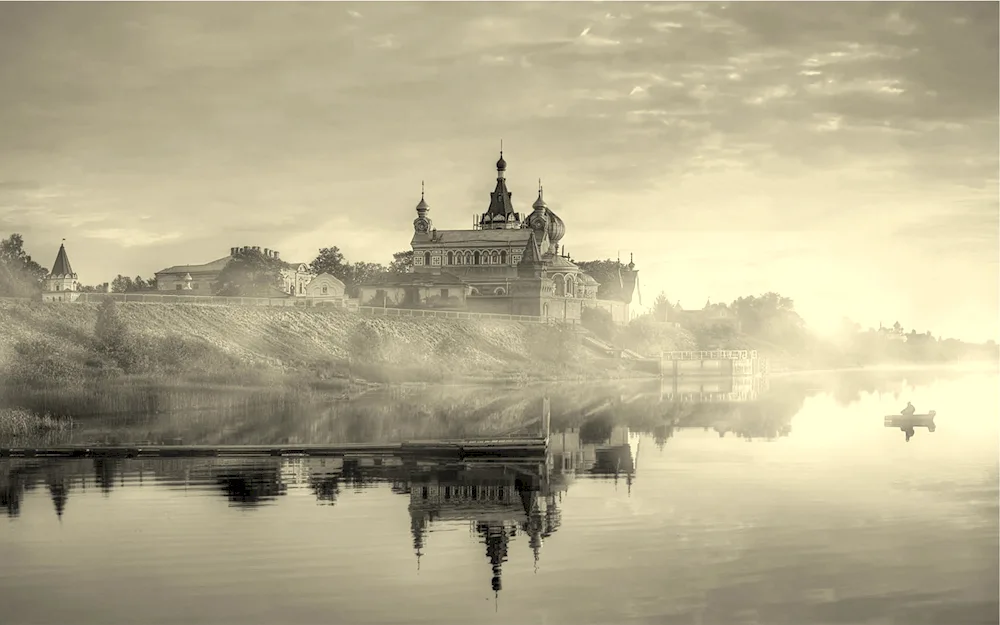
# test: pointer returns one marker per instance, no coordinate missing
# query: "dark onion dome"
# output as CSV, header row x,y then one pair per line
x,y
422,205
501,164
557,229
539,203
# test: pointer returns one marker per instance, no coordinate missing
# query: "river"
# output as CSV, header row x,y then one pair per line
x,y
795,505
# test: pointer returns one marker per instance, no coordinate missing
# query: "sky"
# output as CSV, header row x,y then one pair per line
x,y
842,154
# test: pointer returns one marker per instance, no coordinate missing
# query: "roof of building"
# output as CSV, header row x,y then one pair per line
x,y
215,265
531,253
328,277
61,267
514,236
417,279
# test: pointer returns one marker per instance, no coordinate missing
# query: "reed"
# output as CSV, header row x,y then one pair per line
x,y
18,422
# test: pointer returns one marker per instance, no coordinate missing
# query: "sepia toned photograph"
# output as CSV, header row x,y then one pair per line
x,y
520,312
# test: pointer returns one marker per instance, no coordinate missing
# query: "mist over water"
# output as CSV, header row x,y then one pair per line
x,y
657,503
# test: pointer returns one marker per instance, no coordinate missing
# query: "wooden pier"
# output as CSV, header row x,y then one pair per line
x,y
472,449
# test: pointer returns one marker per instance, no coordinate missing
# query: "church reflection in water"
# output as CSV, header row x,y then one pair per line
x,y
503,501
500,500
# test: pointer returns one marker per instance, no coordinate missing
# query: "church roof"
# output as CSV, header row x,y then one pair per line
x,y
62,267
215,265
417,279
531,252
515,236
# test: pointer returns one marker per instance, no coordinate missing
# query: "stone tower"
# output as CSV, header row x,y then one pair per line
x,y
61,284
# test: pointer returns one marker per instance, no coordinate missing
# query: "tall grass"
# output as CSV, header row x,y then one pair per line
x,y
18,422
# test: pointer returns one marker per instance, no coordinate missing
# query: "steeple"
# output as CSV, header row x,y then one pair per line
x,y
61,284
61,268
500,213
539,203
422,224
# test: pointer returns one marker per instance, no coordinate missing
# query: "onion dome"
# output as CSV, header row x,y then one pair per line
x,y
557,229
539,203
501,164
422,205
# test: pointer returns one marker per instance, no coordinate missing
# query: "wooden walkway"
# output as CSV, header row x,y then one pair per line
x,y
473,449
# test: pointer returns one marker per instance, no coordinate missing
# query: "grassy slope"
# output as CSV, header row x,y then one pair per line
x,y
291,339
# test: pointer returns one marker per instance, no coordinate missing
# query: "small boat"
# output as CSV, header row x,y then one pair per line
x,y
914,420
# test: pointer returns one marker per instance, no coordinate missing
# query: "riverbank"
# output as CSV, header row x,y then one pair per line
x,y
61,346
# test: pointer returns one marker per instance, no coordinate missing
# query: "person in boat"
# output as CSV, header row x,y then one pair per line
x,y
909,410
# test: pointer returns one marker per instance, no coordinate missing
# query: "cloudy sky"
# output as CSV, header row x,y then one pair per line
x,y
845,155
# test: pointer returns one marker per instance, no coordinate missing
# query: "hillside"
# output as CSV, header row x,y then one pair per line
x,y
60,341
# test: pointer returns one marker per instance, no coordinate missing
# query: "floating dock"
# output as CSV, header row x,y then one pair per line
x,y
471,449
723,362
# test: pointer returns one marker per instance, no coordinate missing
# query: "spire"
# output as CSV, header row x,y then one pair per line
x,y
62,267
501,164
501,213
422,206
540,202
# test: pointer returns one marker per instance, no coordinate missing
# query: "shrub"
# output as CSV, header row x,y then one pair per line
x,y
599,321
40,363
554,343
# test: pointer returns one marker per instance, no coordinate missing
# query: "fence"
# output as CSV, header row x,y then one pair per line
x,y
348,304
449,314
215,300
723,354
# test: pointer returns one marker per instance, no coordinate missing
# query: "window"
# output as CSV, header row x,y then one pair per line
x,y
475,258
325,290
503,258
495,258
178,287
500,291
444,293
451,258
468,258
427,258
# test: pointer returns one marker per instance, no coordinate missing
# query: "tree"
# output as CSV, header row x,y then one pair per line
x,y
402,262
608,273
124,284
362,272
662,308
331,260
250,273
20,276
770,316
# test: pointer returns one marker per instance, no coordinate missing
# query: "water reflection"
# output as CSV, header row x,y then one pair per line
x,y
836,520
500,501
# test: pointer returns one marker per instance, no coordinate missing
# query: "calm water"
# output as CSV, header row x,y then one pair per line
x,y
793,506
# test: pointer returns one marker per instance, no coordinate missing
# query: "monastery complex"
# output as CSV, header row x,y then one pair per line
x,y
510,262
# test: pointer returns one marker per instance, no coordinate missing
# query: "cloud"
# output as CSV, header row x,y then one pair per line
x,y
193,121
131,237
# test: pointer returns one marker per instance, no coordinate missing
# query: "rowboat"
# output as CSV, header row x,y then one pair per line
x,y
925,420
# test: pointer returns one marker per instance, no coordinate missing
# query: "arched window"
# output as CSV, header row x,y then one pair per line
x,y
560,284
495,259
570,286
475,258
468,258
427,258
451,259
503,258
499,291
